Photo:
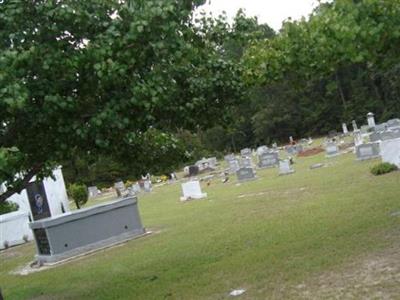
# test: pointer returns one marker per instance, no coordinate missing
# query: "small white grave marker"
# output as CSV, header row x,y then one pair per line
x,y
192,190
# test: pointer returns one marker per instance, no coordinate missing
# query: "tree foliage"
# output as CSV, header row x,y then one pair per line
x,y
90,78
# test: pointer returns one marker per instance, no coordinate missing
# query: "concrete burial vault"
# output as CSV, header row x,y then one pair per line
x,y
77,232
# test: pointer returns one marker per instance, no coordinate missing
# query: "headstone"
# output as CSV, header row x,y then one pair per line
x,y
393,123
294,149
261,150
316,166
245,152
193,171
331,150
345,130
358,140
367,151
120,188
332,134
245,174
365,129
390,151
375,137
285,167
275,146
147,187
233,165
38,200
371,119
246,162
354,124
192,190
268,160
291,139
229,157
93,191
381,127
135,188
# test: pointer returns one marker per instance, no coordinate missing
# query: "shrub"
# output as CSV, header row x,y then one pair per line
x,y
7,207
79,193
383,168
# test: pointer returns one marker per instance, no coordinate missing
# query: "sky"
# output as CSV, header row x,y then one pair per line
x,y
272,12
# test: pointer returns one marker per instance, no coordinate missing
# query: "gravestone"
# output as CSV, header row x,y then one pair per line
x,y
354,124
390,151
268,160
380,127
246,162
358,140
332,134
367,151
294,149
245,174
291,140
331,150
285,167
147,187
371,120
229,157
119,188
375,137
245,152
38,200
393,123
365,129
193,171
317,166
192,190
233,165
261,150
93,191
136,188
275,146
345,130
86,229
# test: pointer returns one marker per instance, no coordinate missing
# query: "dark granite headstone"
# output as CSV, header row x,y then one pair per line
x,y
193,170
38,200
268,160
244,174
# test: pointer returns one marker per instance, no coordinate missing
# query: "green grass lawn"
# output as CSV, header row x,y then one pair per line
x,y
265,236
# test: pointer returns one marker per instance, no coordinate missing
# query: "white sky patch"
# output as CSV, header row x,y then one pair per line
x,y
272,12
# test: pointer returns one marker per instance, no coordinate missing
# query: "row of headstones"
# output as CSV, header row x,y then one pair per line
x,y
201,165
192,190
122,190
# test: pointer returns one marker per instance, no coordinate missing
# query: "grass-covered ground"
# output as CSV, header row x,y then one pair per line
x,y
329,232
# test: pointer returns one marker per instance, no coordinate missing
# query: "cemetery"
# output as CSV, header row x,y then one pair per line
x,y
62,237
164,149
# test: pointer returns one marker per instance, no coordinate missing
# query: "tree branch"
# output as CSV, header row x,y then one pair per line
x,y
25,181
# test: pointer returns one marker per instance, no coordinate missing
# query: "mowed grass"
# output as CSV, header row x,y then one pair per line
x,y
265,236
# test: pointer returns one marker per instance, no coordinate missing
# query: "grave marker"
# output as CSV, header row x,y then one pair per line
x,y
268,160
192,190
285,167
367,151
245,174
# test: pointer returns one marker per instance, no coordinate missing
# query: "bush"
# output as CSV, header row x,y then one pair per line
x,y
79,193
383,168
7,207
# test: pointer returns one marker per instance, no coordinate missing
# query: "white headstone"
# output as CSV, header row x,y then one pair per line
x,y
354,124
390,151
192,190
285,168
345,130
331,150
371,119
